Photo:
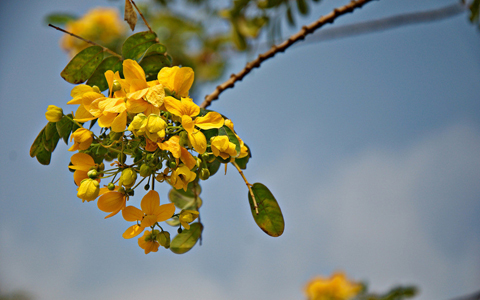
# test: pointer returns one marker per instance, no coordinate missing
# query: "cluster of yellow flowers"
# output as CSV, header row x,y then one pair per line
x,y
156,124
102,25
337,287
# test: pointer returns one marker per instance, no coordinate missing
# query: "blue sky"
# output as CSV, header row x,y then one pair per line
x,y
370,144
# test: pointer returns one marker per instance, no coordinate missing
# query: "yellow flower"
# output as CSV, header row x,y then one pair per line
x,y
181,176
111,112
148,241
54,113
178,151
128,177
82,138
138,124
337,287
151,213
178,80
88,190
81,163
102,25
84,95
243,148
187,109
112,202
143,97
187,216
155,127
222,147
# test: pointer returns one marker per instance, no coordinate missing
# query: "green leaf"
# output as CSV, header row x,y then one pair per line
x,y
269,218
135,46
231,137
153,63
51,144
50,130
37,145
290,18
185,241
43,156
302,7
81,67
213,167
183,201
64,127
113,63
474,10
59,18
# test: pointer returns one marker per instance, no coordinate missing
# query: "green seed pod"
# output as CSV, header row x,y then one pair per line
x,y
93,174
128,178
111,186
163,238
145,170
116,86
204,174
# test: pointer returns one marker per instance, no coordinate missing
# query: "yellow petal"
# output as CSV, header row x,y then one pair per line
x,y
111,202
209,121
198,141
183,81
189,107
188,158
187,123
132,214
148,220
165,212
134,75
132,231
120,122
173,106
81,161
106,119
149,202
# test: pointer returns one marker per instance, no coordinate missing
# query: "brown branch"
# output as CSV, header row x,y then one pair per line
x,y
85,40
282,47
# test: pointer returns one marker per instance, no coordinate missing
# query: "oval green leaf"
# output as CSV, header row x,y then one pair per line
x,y
185,241
43,156
269,218
184,201
135,46
37,145
113,63
64,127
82,66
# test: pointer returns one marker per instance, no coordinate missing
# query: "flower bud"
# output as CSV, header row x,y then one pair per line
x,y
145,170
116,86
54,113
93,174
163,238
111,186
204,174
172,164
88,189
128,178
96,89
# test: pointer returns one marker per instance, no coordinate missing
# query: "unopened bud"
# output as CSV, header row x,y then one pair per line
x,y
116,86
93,174
204,174
163,238
128,178
145,170
54,113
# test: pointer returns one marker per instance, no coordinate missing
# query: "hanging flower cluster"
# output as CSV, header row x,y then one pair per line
x,y
150,130
136,125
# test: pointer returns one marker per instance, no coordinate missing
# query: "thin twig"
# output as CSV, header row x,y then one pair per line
x,y
248,185
143,18
85,40
387,23
282,47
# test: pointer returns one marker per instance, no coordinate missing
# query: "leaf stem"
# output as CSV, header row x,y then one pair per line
x,y
87,41
248,185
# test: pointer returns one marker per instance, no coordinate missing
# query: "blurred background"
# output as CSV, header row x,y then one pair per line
x,y
370,144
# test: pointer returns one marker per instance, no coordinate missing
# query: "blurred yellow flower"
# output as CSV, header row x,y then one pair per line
x,y
187,216
222,147
181,176
337,287
148,241
102,25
